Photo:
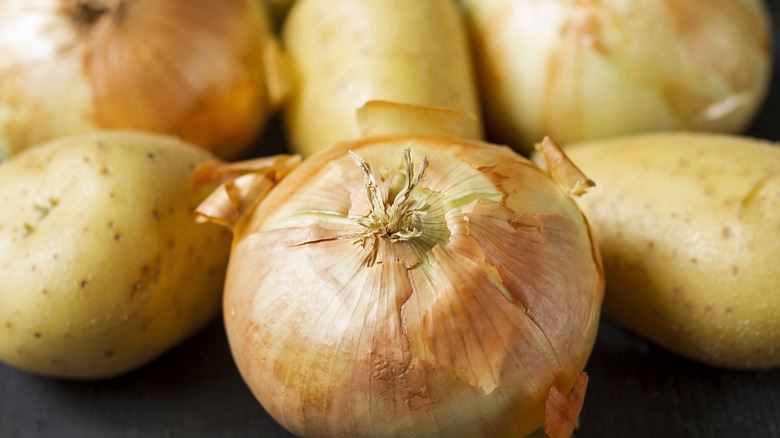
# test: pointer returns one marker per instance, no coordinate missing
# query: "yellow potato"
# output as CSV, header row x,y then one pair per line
x,y
346,52
689,229
103,267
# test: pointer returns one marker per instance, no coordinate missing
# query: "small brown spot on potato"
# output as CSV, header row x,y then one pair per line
x,y
677,291
41,211
650,245
735,270
106,170
694,260
108,353
708,309
729,311
84,284
112,195
37,335
9,326
156,214
27,230
117,236
152,156
45,292
727,232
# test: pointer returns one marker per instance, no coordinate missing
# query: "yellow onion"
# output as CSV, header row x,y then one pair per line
x,y
344,53
411,286
203,70
581,70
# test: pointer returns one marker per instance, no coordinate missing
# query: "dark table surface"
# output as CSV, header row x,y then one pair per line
x,y
636,390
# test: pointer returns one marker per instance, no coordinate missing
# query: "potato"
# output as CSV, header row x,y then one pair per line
x,y
103,266
689,230
346,52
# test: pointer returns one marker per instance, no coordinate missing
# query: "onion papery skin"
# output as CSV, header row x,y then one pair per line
x,y
189,68
459,332
584,70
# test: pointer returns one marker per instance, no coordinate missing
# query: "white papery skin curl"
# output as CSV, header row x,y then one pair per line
x,y
457,330
190,68
581,70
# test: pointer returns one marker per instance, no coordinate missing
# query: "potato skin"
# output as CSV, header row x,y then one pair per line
x,y
103,265
688,229
347,52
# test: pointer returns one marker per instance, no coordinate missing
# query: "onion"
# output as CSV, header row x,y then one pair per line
x,y
199,69
410,285
580,70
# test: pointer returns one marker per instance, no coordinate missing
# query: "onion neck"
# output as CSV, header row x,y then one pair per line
x,y
398,218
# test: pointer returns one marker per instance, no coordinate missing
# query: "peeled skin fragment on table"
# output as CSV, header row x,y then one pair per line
x,y
585,70
688,229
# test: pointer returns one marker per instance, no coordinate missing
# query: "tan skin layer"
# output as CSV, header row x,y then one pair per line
x,y
604,68
193,69
464,336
